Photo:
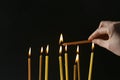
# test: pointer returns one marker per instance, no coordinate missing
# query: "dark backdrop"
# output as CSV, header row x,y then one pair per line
x,y
25,23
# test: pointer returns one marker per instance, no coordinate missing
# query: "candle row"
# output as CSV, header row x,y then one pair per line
x,y
40,63
76,69
77,62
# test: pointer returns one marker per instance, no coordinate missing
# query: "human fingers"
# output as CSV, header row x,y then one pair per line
x,y
101,42
105,24
99,32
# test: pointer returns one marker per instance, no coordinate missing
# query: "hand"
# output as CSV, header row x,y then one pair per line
x,y
108,36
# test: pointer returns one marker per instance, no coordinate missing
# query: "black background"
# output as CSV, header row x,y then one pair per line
x,y
25,23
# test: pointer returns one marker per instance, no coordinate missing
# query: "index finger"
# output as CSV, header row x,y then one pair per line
x,y
97,33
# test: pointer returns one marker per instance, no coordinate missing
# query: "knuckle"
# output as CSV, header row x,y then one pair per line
x,y
102,22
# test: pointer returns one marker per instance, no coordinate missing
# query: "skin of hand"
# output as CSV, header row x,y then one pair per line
x,y
107,35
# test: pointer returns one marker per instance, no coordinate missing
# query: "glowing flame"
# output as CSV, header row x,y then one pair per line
x,y
77,49
77,58
41,50
60,50
61,38
47,49
66,48
93,46
29,53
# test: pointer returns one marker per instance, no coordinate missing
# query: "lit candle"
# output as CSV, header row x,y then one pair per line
x,y
75,67
46,63
66,64
78,63
74,73
91,63
60,63
60,58
40,64
29,64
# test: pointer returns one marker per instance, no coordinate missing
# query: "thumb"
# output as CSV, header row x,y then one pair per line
x,y
100,42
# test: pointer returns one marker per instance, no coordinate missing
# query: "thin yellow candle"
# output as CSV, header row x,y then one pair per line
x,y
60,58
40,64
46,63
74,72
60,63
66,64
75,68
29,64
91,63
78,63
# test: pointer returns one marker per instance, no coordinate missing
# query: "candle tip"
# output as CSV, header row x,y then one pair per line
x,y
66,48
77,58
77,49
41,50
61,38
29,53
47,49
93,46
60,50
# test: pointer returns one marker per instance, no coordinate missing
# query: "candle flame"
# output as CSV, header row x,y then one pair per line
x,y
29,53
41,50
60,50
66,48
77,49
93,46
47,49
77,58
61,38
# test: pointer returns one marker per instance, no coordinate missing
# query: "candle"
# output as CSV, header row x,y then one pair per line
x,y
91,63
75,68
29,64
60,63
46,63
40,64
76,42
74,72
78,63
60,58
66,64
